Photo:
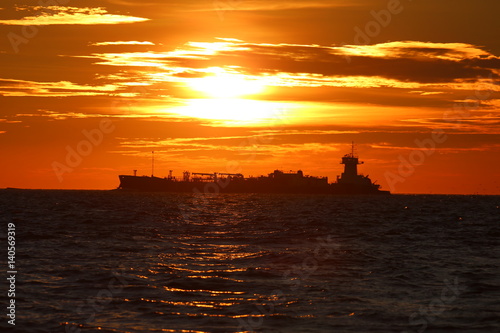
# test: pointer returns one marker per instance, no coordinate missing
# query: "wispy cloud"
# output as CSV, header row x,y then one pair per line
x,y
418,50
254,5
122,43
264,5
10,87
58,15
6,121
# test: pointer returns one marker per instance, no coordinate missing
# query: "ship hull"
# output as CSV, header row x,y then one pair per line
x,y
248,185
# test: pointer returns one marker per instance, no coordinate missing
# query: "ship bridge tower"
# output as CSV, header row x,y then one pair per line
x,y
350,161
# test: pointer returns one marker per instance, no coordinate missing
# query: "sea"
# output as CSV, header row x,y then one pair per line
x,y
111,261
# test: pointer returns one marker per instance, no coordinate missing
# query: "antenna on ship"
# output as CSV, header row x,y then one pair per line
x,y
152,163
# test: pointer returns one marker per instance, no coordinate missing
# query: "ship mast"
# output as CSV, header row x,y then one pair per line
x,y
152,163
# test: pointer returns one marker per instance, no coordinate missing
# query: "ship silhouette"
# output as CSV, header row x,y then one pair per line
x,y
349,182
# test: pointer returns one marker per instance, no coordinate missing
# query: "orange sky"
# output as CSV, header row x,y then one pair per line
x,y
89,88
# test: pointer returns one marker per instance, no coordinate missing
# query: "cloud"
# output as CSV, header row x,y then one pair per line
x,y
403,61
122,43
418,50
6,121
129,59
264,5
10,87
479,122
58,15
406,64
243,5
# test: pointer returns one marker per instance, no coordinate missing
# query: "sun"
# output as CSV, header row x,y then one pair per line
x,y
226,85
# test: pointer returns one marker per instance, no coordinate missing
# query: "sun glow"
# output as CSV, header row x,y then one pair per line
x,y
221,84
235,112
222,98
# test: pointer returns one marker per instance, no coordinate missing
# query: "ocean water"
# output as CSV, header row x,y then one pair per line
x,y
108,261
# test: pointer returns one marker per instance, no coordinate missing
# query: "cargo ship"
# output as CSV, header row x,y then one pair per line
x,y
349,182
